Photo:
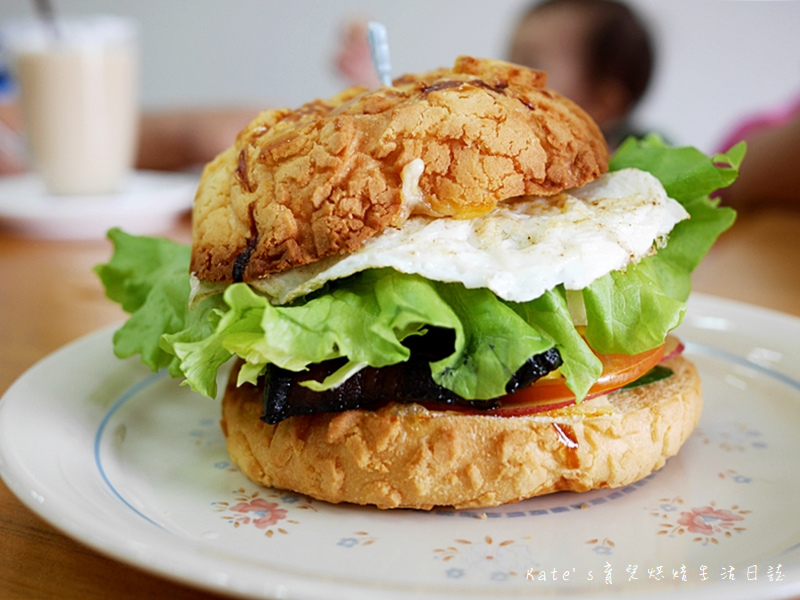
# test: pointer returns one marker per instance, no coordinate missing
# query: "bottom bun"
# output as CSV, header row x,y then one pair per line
x,y
406,456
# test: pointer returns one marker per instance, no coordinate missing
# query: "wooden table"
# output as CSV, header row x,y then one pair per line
x,y
49,296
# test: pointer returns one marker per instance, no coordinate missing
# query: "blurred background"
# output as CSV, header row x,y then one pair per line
x,y
717,60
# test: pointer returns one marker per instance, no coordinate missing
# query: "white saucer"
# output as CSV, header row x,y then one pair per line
x,y
150,203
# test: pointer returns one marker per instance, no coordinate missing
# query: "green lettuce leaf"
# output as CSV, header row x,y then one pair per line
x,y
495,344
551,314
149,278
631,311
685,172
365,318
199,347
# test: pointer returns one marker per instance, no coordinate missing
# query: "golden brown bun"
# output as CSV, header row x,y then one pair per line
x,y
407,456
317,181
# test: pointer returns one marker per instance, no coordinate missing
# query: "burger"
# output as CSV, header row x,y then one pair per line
x,y
441,292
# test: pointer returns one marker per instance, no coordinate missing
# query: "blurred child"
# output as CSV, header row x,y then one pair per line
x,y
597,53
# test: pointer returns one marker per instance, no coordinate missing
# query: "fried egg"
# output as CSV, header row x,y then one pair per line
x,y
520,249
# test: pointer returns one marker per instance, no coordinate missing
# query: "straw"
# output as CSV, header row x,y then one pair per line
x,y
44,8
379,49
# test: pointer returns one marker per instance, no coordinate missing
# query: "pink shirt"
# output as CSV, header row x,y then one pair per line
x,y
760,121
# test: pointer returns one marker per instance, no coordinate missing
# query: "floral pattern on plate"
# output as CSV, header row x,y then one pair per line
x,y
737,438
709,523
602,547
265,509
359,538
492,558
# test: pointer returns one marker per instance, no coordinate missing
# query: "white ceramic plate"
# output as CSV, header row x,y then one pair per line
x,y
135,466
149,203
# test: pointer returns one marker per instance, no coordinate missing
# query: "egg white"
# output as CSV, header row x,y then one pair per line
x,y
520,249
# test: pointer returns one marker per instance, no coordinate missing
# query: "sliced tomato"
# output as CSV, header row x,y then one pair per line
x,y
619,370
